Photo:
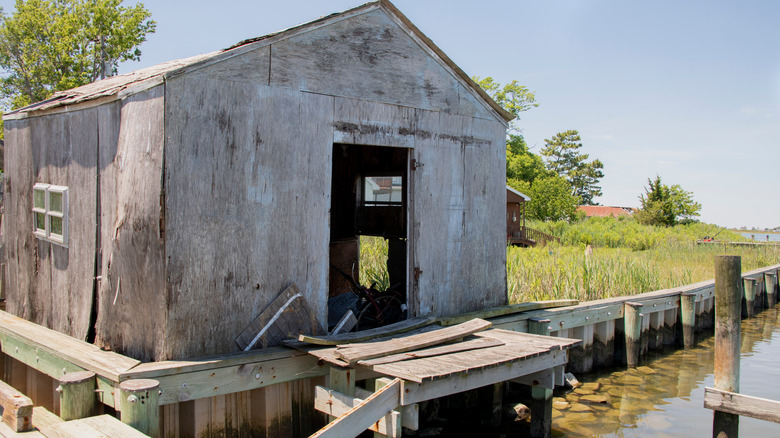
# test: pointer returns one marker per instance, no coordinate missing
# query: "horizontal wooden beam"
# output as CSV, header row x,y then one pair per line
x,y
337,404
210,382
743,405
417,392
17,408
361,416
410,415
55,348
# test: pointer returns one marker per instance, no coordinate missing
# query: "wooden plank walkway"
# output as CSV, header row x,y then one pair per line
x,y
431,363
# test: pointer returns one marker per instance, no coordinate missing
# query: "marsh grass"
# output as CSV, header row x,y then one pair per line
x,y
564,272
628,258
373,262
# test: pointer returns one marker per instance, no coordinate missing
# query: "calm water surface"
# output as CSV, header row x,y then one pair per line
x,y
664,397
761,237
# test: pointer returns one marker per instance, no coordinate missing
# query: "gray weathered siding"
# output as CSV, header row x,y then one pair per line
x,y
51,284
132,298
247,179
370,57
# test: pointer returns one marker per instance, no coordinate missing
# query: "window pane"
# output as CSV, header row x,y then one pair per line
x,y
55,201
40,221
56,225
40,199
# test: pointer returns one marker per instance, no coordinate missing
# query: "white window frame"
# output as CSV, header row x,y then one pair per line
x,y
46,233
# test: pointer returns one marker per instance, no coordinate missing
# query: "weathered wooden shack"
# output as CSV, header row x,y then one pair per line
x,y
157,213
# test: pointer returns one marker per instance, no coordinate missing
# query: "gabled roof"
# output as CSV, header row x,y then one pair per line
x,y
602,211
517,195
120,86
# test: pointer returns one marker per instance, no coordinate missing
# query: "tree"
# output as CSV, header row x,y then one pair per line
x,y
551,198
521,163
664,205
53,45
513,97
564,158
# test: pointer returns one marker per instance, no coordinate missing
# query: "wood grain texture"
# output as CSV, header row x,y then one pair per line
x,y
363,414
337,404
743,405
51,284
370,57
458,214
248,236
352,353
287,316
131,300
101,426
17,408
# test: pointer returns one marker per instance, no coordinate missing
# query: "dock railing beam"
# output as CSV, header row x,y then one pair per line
x,y
728,311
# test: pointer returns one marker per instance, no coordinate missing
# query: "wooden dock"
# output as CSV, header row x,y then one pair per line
x,y
272,391
424,369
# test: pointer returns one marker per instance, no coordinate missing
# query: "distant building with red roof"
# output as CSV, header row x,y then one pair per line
x,y
603,211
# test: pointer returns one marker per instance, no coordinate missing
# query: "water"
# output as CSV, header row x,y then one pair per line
x,y
761,237
664,397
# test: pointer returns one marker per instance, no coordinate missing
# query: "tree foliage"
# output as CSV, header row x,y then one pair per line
x,y
53,45
664,205
564,158
551,198
513,97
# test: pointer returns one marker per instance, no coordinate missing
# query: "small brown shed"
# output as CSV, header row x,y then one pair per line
x,y
157,213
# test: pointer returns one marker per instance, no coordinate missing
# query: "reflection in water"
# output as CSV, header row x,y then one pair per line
x,y
664,396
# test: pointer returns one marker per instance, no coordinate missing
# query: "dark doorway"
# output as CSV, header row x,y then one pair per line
x,y
368,198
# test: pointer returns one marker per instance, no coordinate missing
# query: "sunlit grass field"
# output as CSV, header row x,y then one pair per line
x,y
628,258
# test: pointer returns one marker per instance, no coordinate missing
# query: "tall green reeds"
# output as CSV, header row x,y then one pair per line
x,y
565,272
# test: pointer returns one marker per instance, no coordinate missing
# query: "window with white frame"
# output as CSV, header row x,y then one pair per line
x,y
50,211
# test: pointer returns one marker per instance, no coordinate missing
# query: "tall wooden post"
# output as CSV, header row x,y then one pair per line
x,y
771,293
632,318
77,395
728,301
541,398
749,308
688,318
139,404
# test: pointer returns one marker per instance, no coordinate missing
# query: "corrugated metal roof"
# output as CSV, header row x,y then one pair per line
x,y
142,79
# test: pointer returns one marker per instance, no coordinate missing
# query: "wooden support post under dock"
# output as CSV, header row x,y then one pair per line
x,y
139,404
541,398
77,395
688,318
770,282
632,317
728,299
749,304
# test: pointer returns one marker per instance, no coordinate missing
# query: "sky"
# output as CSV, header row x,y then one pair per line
x,y
687,90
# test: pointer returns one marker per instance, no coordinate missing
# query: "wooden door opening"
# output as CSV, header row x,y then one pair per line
x,y
369,212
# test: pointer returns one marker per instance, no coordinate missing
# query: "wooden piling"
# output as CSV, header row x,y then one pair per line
x,y
139,405
770,282
749,303
541,398
728,300
343,381
688,318
77,395
632,318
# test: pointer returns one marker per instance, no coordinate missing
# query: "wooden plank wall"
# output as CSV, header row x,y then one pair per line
x,y
132,300
248,169
51,284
